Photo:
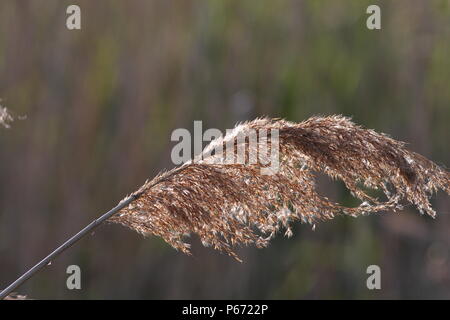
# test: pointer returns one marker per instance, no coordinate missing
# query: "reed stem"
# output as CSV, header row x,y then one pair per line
x,y
70,242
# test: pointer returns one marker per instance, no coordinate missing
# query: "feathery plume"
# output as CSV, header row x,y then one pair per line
x,y
5,117
227,203
16,296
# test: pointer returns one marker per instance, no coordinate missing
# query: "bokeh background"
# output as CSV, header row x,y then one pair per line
x,y
101,103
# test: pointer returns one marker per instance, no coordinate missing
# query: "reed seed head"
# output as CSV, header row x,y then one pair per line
x,y
228,204
5,117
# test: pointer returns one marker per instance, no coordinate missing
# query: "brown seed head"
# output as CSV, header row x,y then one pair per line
x,y
234,204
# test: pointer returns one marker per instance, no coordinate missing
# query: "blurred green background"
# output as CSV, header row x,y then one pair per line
x,y
101,103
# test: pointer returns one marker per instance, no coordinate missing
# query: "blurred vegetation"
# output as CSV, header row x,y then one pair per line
x,y
101,103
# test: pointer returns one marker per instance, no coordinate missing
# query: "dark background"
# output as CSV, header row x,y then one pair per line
x,y
101,104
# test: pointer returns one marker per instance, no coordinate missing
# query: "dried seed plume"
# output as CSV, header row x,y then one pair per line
x,y
5,117
16,296
229,204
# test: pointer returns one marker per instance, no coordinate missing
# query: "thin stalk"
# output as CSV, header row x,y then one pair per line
x,y
70,242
